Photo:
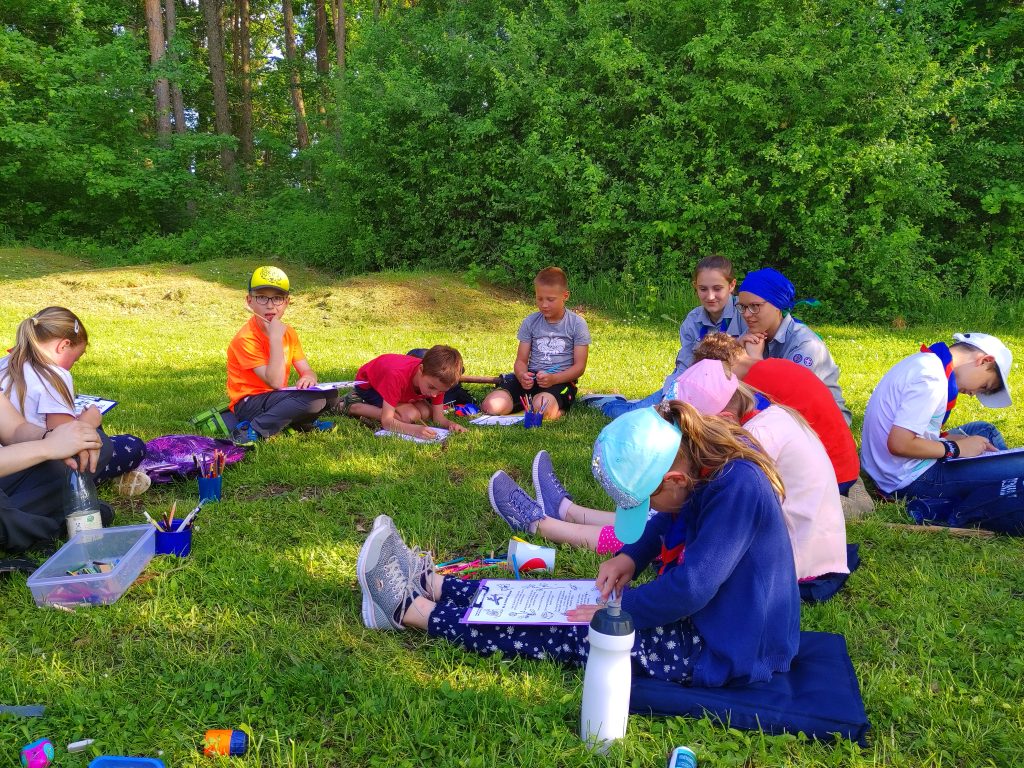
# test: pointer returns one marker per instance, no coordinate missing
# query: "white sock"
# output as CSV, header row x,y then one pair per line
x,y
563,508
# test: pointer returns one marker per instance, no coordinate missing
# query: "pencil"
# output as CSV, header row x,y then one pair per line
x,y
151,521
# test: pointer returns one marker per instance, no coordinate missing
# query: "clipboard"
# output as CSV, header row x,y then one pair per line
x,y
530,602
103,404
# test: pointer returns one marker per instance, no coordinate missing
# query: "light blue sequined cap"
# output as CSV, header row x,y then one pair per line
x,y
631,456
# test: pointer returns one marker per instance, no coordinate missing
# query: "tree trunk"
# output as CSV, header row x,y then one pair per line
x,y
215,49
245,78
177,104
301,131
323,51
155,28
340,33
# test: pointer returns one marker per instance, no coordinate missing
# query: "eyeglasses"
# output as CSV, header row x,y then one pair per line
x,y
277,301
751,309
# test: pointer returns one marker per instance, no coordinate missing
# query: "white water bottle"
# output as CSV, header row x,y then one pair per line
x,y
606,683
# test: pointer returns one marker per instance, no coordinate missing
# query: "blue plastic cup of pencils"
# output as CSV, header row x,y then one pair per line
x,y
532,416
172,541
210,488
211,475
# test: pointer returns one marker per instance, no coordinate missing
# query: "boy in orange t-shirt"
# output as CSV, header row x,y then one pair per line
x,y
260,359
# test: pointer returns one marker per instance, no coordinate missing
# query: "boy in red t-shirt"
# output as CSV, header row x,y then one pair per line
x,y
260,359
401,390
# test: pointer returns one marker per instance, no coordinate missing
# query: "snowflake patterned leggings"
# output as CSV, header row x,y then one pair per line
x,y
666,653
127,453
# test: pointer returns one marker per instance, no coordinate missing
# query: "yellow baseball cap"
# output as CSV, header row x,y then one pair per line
x,y
269,277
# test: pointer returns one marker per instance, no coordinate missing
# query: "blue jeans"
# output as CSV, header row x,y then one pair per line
x,y
983,429
616,408
987,491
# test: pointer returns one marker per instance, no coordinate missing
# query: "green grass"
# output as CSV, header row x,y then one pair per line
x,y
261,625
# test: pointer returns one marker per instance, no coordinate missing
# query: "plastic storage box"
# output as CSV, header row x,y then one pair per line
x,y
112,761
128,549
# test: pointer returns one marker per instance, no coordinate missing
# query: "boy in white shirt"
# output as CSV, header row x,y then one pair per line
x,y
904,447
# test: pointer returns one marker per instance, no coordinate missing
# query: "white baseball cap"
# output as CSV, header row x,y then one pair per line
x,y
990,345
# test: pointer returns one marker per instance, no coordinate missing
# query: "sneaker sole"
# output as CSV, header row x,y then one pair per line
x,y
382,521
536,483
369,614
490,497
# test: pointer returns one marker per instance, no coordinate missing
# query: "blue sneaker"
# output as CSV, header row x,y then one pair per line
x,y
244,436
599,401
549,491
514,504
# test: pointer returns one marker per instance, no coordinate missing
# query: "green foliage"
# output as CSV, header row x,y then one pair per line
x,y
634,138
871,150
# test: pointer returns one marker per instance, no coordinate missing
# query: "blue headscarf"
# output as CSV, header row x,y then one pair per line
x,y
772,286
775,288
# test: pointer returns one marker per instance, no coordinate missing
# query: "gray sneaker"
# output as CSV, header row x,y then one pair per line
x,y
549,491
382,570
513,503
419,565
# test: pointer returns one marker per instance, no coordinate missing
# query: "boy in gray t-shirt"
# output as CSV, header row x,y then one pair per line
x,y
552,354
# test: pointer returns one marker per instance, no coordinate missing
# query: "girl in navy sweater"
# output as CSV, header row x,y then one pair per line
x,y
723,609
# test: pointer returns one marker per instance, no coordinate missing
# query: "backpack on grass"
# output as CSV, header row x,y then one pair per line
x,y
172,457
216,422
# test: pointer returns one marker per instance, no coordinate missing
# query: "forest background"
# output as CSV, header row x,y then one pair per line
x,y
874,151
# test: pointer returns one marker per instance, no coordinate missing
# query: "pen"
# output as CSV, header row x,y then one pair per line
x,y
187,520
151,521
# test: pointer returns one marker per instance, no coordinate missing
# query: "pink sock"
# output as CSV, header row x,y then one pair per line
x,y
607,541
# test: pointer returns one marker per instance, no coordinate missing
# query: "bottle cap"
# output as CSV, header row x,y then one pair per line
x,y
614,624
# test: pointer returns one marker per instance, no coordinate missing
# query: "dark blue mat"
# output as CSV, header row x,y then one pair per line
x,y
824,587
819,696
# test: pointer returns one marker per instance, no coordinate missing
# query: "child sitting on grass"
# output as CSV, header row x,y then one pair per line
x,y
714,284
787,383
811,507
907,453
552,354
260,359
728,613
403,391
36,376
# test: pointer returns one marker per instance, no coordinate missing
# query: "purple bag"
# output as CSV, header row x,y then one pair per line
x,y
170,457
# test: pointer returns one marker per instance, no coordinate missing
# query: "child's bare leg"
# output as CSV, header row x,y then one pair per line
x,y
364,409
598,538
408,413
562,532
574,513
418,613
497,403
547,402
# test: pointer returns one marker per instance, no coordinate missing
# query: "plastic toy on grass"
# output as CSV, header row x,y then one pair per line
x,y
466,409
225,742
38,754
114,761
